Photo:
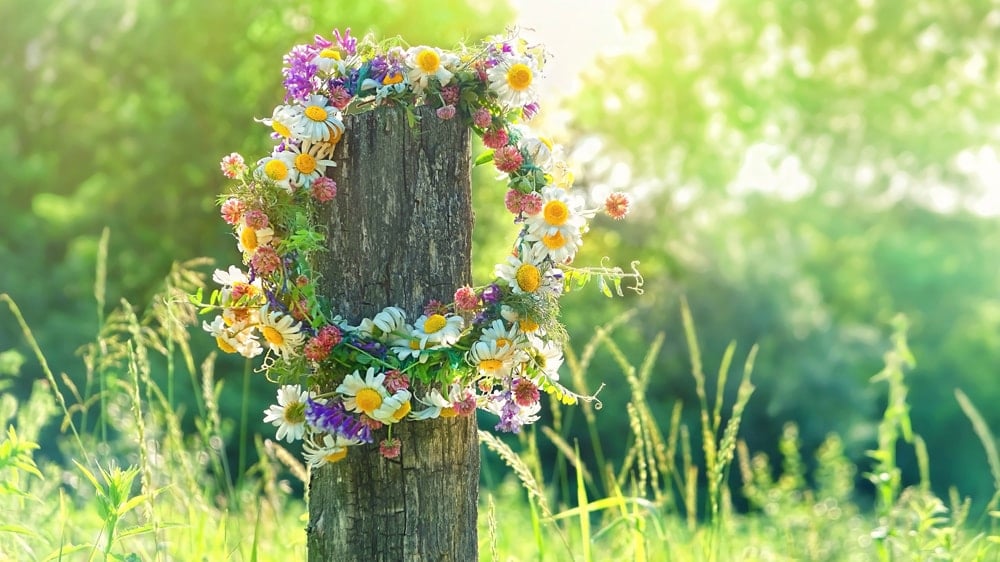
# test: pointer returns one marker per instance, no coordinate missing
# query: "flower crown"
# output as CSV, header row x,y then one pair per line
x,y
495,347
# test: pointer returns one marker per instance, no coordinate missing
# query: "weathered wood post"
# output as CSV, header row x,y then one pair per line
x,y
400,233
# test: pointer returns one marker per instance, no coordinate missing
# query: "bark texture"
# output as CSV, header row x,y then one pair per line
x,y
400,233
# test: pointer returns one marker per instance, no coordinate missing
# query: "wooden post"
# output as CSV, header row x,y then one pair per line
x,y
400,233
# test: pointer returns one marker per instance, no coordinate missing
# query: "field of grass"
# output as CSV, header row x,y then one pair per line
x,y
134,486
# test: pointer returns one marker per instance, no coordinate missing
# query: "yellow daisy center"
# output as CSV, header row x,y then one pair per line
x,y
448,412
316,113
330,54
434,323
528,278
224,345
273,335
248,239
490,365
336,456
305,163
276,170
527,325
502,343
519,77
392,78
556,212
428,60
281,129
414,344
295,412
554,241
400,413
368,399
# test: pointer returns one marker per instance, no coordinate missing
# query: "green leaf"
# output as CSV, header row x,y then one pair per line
x,y
483,158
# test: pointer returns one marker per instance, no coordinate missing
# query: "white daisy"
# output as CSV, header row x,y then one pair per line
x,y
513,81
276,170
523,273
282,332
561,212
504,336
537,149
426,62
393,408
437,407
363,395
547,356
329,450
319,121
249,238
284,119
305,162
289,414
438,330
561,246
493,360
525,324
391,321
409,347
234,337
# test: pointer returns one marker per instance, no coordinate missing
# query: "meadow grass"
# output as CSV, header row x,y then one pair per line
x,y
133,485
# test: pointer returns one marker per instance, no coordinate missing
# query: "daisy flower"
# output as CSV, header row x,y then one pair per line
x,y
363,395
328,450
408,347
537,149
560,246
560,212
503,336
525,324
493,360
523,273
392,320
289,414
319,121
249,238
547,356
282,333
276,169
513,81
284,120
437,330
394,408
437,407
306,162
426,62
235,338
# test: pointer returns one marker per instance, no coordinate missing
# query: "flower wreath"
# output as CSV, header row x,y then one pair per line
x,y
495,347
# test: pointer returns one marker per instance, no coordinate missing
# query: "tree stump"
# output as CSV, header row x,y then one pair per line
x,y
399,233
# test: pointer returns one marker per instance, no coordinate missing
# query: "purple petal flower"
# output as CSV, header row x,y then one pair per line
x,y
346,42
491,294
299,72
332,418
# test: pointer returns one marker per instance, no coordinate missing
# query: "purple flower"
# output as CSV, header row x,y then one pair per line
x,y
299,72
509,421
491,294
347,43
446,112
332,418
530,110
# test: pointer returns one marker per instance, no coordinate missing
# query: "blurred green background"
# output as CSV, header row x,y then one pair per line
x,y
802,172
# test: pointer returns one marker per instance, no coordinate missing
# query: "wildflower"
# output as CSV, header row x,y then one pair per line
x,y
525,392
306,162
482,118
427,62
363,395
437,329
530,110
450,94
495,138
435,306
299,71
232,210
531,203
265,261
560,212
390,448
466,299
491,359
508,159
396,381
330,449
446,112
289,414
617,205
324,189
330,417
491,294
523,273
437,407
282,333
512,79
252,238
233,166
256,219
394,408
319,121
283,121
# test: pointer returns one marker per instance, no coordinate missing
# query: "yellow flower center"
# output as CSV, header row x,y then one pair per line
x,y
368,399
336,456
305,163
224,345
248,239
528,278
490,365
428,60
448,412
392,78
316,113
295,412
502,343
330,54
414,344
402,411
273,335
554,241
276,170
434,323
519,77
556,212
281,129
527,325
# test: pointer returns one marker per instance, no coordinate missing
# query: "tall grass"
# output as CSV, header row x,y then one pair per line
x,y
135,486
